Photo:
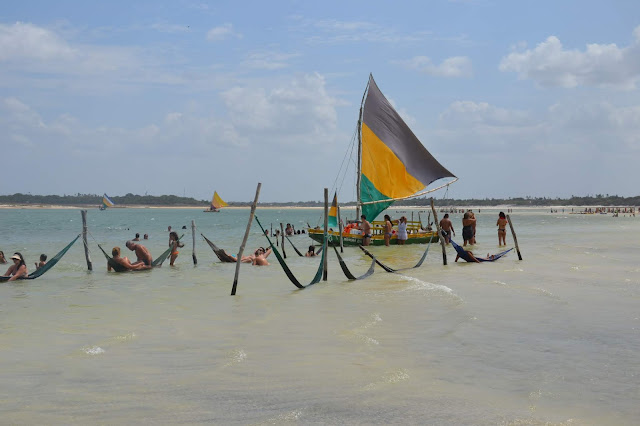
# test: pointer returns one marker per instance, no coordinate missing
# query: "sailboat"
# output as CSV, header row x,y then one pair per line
x,y
392,165
216,204
106,202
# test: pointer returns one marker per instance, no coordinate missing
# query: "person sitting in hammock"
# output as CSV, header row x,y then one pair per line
x,y
124,262
43,261
260,258
471,256
233,258
18,269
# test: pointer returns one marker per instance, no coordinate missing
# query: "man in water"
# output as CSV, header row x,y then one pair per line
x,y
124,262
447,228
260,257
365,227
143,255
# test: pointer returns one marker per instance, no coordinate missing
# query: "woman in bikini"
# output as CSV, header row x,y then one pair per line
x,y
18,269
174,243
502,229
388,227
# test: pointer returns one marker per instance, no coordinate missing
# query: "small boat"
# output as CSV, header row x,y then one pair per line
x,y
392,165
216,204
106,202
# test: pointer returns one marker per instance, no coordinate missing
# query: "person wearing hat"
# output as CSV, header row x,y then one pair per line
x,y
18,269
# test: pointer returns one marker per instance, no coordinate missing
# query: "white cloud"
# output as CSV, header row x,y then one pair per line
x,y
299,111
549,64
24,41
269,60
222,32
457,66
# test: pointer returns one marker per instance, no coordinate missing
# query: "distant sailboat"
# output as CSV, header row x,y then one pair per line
x,y
216,203
393,165
106,202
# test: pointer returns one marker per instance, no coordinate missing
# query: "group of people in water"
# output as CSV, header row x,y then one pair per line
x,y
143,255
19,267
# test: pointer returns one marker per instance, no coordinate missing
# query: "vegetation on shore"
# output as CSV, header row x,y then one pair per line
x,y
91,200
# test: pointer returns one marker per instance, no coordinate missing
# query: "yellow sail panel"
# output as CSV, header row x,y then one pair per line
x,y
384,169
217,202
333,212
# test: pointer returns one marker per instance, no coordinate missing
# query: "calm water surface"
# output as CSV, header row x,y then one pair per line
x,y
552,339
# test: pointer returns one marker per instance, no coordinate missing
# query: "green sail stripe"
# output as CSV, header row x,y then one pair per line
x,y
368,192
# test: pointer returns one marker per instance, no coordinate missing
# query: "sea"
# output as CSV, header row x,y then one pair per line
x,y
552,339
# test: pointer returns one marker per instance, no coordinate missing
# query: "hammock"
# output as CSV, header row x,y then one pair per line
x,y
115,265
119,268
316,279
50,264
348,273
294,247
464,255
389,269
222,255
164,255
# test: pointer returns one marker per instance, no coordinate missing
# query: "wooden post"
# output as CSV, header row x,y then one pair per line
x,y
515,240
435,219
340,230
193,232
244,241
326,229
84,239
284,253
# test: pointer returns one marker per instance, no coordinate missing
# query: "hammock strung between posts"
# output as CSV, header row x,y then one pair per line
x,y
464,255
220,253
316,279
50,264
392,270
294,247
348,273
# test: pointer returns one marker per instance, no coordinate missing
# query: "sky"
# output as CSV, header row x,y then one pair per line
x,y
516,98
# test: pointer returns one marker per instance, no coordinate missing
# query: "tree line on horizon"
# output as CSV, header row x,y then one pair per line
x,y
87,200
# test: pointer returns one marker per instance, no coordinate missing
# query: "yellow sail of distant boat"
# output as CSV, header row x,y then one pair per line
x,y
106,202
216,203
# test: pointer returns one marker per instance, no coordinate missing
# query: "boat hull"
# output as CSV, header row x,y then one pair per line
x,y
354,240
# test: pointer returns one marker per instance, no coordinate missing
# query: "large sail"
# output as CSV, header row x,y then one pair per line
x,y
217,202
394,163
106,201
332,220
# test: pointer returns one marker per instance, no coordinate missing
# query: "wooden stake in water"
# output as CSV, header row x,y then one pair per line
x,y
326,230
284,253
435,219
244,240
515,240
193,232
84,239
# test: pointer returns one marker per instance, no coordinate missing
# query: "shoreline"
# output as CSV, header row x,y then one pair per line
x,y
399,207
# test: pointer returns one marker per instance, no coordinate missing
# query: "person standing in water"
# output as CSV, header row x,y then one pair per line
x,y
175,244
402,231
468,224
502,229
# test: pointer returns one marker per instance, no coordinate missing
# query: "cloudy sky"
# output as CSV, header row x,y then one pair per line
x,y
516,98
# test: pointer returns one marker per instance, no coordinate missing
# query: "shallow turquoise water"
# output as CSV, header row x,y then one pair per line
x,y
553,338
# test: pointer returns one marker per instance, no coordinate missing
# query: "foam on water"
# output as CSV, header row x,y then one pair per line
x,y
93,350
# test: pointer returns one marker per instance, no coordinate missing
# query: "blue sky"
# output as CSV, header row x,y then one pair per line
x,y
186,97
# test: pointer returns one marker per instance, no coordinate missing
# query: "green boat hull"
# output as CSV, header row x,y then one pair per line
x,y
354,240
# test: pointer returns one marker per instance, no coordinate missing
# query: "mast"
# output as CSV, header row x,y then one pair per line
x,y
359,172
